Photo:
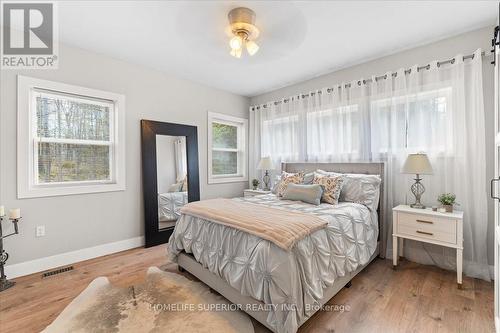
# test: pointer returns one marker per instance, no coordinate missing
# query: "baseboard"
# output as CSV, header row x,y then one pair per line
x,y
42,264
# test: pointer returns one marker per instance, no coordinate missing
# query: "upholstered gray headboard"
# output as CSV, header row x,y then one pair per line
x,y
362,168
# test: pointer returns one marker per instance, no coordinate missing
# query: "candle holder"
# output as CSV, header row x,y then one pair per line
x,y
4,256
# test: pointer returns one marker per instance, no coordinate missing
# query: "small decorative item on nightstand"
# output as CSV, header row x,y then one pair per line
x,y
266,164
417,164
447,200
425,225
255,183
14,216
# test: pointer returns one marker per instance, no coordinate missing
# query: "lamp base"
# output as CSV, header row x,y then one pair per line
x,y
417,205
417,189
266,180
6,284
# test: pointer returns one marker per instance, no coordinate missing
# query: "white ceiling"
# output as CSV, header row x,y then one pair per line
x,y
299,40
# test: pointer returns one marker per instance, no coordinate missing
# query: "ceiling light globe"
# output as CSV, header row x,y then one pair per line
x,y
236,53
252,47
236,42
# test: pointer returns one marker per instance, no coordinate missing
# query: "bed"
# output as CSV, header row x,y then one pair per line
x,y
169,205
282,289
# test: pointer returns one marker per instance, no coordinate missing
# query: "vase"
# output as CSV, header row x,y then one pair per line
x,y
448,208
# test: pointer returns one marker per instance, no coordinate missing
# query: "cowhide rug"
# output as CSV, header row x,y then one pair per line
x,y
165,302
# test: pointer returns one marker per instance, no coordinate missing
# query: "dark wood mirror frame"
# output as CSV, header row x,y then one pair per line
x,y
149,130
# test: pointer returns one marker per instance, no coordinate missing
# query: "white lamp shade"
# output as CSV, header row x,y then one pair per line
x,y
265,164
417,164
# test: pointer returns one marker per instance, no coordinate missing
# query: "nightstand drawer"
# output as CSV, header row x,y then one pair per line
x,y
428,223
427,234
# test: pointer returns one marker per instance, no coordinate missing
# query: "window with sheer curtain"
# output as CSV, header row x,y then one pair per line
x,y
415,122
343,120
280,133
437,110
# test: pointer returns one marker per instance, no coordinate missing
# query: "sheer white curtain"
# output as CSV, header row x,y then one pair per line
x,y
180,158
438,110
276,130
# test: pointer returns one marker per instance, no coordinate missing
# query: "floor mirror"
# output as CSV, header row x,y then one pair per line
x,y
170,175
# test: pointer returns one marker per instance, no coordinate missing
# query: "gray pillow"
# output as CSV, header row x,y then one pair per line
x,y
359,188
308,178
305,193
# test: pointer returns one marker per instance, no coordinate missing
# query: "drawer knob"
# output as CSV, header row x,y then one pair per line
x,y
425,233
424,221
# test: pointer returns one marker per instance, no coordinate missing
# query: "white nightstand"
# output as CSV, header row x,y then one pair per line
x,y
251,193
425,225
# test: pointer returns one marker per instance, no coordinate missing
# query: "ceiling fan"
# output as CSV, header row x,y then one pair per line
x,y
243,30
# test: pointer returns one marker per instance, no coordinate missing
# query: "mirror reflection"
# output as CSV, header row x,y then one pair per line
x,y
171,164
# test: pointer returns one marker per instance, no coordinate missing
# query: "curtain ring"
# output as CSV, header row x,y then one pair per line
x,y
385,77
364,81
428,67
359,83
453,60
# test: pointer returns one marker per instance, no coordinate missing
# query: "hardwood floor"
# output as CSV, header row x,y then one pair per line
x,y
414,298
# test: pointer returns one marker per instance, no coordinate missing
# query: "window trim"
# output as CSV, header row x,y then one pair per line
x,y
242,149
27,186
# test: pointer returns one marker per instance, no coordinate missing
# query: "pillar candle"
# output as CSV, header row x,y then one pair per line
x,y
2,210
15,213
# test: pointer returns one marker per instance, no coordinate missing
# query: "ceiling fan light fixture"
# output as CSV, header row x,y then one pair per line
x,y
236,52
244,31
252,47
236,42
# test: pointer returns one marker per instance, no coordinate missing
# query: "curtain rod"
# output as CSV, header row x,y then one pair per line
x,y
348,85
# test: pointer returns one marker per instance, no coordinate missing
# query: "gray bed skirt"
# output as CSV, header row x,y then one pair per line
x,y
187,262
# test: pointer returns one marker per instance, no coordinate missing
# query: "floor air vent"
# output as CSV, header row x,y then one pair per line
x,y
57,271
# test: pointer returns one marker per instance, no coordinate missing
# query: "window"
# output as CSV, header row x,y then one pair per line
x,y
280,138
227,148
70,139
416,122
333,132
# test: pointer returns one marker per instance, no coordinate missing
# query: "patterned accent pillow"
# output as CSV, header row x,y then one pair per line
x,y
331,187
288,178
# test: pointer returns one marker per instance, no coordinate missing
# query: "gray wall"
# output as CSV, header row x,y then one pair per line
x,y
442,50
80,221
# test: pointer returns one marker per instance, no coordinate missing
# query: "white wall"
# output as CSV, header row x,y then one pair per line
x,y
165,162
446,49
80,221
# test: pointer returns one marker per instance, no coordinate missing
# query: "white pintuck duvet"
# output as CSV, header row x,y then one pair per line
x,y
262,270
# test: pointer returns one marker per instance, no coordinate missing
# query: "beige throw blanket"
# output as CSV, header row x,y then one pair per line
x,y
282,227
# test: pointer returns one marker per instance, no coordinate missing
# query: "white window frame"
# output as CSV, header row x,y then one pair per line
x,y
27,140
242,124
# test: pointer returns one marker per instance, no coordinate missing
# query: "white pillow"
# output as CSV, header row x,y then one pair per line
x,y
175,187
359,188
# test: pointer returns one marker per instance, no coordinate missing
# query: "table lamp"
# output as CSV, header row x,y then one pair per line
x,y
417,164
266,164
